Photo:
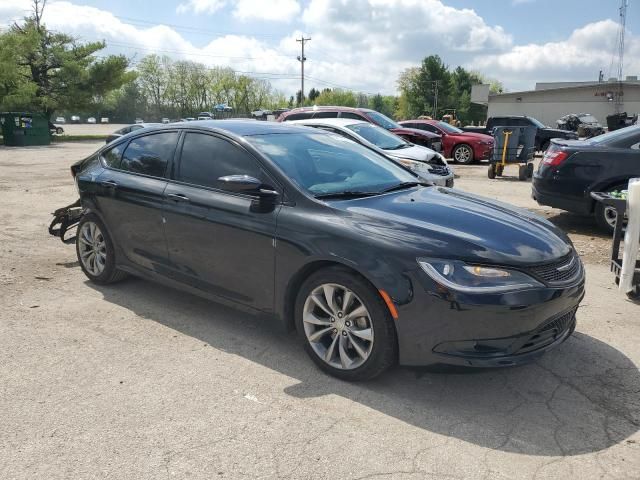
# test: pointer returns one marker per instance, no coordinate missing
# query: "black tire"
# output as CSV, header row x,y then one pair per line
x,y
465,152
522,172
59,131
384,352
491,172
109,274
530,170
602,213
499,170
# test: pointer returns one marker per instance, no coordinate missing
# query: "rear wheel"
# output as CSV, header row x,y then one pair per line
x,y
463,154
345,325
606,215
522,172
95,251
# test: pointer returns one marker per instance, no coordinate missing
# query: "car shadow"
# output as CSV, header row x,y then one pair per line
x,y
579,398
575,223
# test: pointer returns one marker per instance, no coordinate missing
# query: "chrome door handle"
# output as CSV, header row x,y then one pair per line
x,y
178,197
109,184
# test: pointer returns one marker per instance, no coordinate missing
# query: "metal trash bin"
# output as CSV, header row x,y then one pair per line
x,y
21,129
513,145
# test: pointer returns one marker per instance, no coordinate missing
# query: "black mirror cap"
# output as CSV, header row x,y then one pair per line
x,y
246,184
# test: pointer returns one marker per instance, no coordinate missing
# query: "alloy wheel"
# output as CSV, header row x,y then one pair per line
x,y
610,216
338,326
462,154
92,248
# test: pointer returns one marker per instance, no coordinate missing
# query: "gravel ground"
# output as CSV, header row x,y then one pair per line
x,y
137,381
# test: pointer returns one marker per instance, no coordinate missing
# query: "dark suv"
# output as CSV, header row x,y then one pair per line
x,y
413,135
369,264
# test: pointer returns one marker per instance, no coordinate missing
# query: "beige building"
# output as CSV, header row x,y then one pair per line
x,y
550,101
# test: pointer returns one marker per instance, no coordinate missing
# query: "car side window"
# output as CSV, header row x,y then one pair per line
x,y
325,115
205,158
150,154
298,116
113,156
428,127
353,116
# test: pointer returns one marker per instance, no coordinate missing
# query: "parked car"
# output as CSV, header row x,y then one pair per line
x,y
369,265
91,120
165,120
139,120
571,170
75,119
222,107
584,124
55,129
544,134
463,147
204,116
419,137
128,129
60,120
428,164
190,119
104,120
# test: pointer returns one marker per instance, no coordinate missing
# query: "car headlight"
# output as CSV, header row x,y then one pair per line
x,y
468,278
412,164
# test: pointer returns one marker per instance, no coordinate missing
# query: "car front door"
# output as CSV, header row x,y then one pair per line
x,y
220,241
130,196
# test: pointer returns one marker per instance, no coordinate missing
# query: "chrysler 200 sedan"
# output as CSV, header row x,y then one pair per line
x,y
368,264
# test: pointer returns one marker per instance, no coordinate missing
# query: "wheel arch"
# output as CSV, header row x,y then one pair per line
x,y
605,186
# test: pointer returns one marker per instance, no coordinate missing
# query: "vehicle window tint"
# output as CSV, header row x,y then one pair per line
x,y
113,156
428,127
353,116
298,116
150,154
325,115
206,158
135,127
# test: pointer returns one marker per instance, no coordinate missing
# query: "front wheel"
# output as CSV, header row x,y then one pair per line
x,y
463,154
345,325
95,251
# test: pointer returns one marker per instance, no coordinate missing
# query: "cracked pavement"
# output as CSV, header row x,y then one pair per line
x,y
139,381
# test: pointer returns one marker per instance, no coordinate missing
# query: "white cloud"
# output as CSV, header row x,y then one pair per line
x,y
272,10
201,6
581,56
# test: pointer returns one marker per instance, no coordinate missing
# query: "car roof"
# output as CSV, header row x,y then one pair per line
x,y
242,128
323,108
335,122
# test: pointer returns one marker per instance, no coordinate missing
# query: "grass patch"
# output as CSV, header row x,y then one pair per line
x,y
76,138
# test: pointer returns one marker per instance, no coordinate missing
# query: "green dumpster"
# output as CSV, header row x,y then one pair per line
x,y
21,129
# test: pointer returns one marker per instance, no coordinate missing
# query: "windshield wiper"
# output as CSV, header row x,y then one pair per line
x,y
345,194
403,185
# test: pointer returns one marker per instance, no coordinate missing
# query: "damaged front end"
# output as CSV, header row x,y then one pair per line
x,y
64,219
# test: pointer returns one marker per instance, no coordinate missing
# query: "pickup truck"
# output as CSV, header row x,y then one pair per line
x,y
543,135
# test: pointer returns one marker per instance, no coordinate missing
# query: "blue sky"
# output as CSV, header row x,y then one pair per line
x,y
360,44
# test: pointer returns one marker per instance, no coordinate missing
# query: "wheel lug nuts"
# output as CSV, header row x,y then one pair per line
x,y
344,334
335,330
347,323
333,319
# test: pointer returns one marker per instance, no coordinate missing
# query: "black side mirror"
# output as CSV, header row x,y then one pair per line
x,y
246,184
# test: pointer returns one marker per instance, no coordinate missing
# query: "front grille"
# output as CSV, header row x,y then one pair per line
x,y
548,333
558,272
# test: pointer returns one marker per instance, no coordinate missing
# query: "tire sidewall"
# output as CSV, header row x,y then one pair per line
x,y
110,263
384,337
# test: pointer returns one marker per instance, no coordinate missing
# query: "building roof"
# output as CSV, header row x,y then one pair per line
x,y
572,86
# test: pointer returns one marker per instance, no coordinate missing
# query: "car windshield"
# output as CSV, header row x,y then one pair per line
x,y
323,163
449,128
379,136
382,120
631,133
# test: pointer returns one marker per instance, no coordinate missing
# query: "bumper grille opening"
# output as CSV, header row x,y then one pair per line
x,y
558,272
548,333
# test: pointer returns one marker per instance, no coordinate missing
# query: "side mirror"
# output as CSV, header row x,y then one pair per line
x,y
246,184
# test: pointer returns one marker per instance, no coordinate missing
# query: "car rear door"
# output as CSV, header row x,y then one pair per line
x,y
130,196
220,241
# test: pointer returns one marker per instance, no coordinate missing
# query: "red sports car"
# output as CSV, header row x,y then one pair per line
x,y
463,147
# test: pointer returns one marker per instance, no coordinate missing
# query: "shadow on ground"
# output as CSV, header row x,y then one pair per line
x,y
574,223
581,397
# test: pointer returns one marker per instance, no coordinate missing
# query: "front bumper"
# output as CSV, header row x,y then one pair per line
x,y
439,326
483,152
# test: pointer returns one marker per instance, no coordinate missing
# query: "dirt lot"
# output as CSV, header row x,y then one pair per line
x,y
138,381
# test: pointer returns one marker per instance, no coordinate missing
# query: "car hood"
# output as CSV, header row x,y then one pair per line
x,y
440,222
414,132
414,152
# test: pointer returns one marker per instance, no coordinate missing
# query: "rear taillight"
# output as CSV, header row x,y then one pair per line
x,y
554,158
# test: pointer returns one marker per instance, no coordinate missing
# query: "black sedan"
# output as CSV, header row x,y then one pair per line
x,y
369,265
571,170
128,129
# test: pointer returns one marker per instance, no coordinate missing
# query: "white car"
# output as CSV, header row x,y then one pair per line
x,y
428,164
166,120
139,120
91,120
104,120
60,120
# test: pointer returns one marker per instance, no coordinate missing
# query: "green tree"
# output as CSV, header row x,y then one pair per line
x,y
45,70
337,97
313,94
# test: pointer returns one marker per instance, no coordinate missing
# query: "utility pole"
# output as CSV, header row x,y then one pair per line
x,y
435,100
624,4
302,59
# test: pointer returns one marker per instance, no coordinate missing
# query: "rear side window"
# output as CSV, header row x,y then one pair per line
x,y
298,116
427,127
325,115
353,116
206,158
113,156
150,154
